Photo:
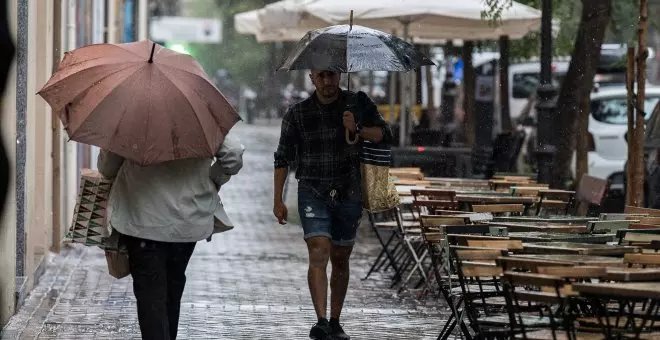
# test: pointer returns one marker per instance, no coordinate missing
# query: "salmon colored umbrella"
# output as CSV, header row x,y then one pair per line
x,y
139,100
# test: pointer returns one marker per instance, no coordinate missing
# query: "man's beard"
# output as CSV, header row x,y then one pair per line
x,y
329,92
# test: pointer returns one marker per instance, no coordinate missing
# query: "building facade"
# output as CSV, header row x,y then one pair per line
x,y
45,165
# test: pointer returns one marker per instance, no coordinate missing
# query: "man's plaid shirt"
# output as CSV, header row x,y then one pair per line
x,y
312,139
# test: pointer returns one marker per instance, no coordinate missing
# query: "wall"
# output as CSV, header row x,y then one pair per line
x,y
8,221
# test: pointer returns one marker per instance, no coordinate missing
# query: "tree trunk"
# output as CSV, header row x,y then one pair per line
x,y
578,82
630,86
469,85
505,114
582,152
637,195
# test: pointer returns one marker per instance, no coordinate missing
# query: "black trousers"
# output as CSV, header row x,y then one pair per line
x,y
158,270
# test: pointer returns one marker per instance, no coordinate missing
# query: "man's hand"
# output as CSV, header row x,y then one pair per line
x,y
280,211
349,121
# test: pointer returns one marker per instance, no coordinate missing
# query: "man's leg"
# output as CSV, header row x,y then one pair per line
x,y
339,257
178,256
148,261
319,253
315,219
345,223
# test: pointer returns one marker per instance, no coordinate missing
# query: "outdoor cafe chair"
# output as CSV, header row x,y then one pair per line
x,y
390,246
535,306
555,201
482,296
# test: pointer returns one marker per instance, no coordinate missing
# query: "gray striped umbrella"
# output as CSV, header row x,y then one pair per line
x,y
353,48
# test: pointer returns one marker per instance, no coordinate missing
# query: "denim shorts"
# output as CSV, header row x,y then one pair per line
x,y
322,214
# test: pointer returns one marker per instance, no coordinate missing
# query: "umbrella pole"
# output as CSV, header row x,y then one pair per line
x,y
151,57
405,83
350,23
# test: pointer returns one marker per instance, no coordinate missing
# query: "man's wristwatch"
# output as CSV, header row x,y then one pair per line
x,y
358,128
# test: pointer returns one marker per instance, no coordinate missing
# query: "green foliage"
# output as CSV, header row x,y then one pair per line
x,y
566,12
242,56
622,28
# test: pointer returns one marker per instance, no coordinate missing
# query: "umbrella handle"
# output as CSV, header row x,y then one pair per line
x,y
348,138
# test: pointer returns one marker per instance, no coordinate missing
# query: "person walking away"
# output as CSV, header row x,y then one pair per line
x,y
329,188
160,212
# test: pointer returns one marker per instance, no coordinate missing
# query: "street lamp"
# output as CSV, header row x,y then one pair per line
x,y
546,106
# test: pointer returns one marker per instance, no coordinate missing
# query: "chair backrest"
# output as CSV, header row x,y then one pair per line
x,y
591,189
642,260
516,209
525,191
639,236
462,239
612,225
429,207
438,221
638,226
496,244
637,210
552,199
651,220
434,194
575,272
554,194
618,217
527,264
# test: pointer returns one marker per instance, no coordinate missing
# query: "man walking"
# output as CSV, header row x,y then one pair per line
x,y
329,190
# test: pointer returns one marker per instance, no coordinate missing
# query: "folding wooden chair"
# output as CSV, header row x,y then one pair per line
x,y
482,296
555,200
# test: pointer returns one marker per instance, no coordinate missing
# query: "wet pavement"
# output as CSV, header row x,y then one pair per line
x,y
248,283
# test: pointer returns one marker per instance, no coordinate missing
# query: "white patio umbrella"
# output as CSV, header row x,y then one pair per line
x,y
438,19
248,23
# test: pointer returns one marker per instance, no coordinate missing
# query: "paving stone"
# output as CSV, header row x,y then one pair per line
x,y
248,283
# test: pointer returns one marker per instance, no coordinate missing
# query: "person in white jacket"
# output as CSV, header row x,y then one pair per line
x,y
160,212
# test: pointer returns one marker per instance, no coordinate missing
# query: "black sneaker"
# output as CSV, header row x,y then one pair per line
x,y
321,331
338,332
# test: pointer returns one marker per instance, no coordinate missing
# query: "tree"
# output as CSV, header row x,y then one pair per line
x,y
242,56
579,82
585,54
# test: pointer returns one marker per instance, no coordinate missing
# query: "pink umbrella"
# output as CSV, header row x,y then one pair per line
x,y
139,100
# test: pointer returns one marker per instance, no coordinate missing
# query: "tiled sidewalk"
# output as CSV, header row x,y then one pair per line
x,y
248,283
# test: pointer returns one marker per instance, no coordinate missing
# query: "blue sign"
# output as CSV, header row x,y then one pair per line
x,y
129,16
458,70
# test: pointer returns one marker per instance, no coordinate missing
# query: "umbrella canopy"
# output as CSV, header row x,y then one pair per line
x,y
353,48
139,100
250,24
439,19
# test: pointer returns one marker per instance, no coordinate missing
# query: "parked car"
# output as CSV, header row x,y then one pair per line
x,y
651,161
608,125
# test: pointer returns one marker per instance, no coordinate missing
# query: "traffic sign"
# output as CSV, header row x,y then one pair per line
x,y
184,29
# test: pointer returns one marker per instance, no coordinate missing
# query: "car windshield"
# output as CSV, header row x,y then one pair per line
x,y
525,84
615,110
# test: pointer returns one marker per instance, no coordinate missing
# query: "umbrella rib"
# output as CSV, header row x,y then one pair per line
x,y
114,133
45,88
84,92
191,107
